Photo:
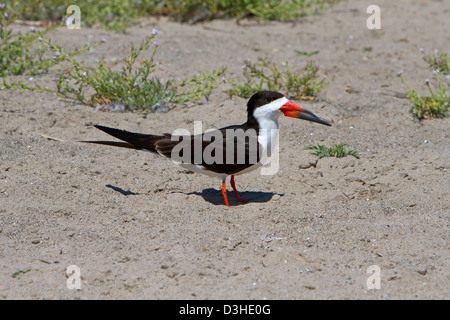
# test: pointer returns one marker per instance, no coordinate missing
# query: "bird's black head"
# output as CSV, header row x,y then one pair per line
x,y
260,99
268,105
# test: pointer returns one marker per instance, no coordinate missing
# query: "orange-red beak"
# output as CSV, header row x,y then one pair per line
x,y
293,110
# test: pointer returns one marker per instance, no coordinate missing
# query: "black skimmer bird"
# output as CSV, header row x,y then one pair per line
x,y
224,152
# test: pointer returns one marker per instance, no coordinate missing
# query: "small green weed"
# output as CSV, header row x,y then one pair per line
x,y
27,53
337,151
265,75
110,14
268,9
435,105
306,53
440,61
198,86
19,53
18,272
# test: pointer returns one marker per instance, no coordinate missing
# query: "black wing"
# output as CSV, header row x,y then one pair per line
x,y
228,150
132,140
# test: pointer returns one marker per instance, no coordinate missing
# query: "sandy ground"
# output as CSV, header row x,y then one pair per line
x,y
139,227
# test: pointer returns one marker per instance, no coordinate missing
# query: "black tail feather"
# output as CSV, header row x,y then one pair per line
x,y
114,144
134,140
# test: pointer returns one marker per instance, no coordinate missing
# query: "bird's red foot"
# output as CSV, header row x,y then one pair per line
x,y
238,199
242,200
224,193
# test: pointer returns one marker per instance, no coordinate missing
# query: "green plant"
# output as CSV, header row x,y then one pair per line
x,y
18,272
435,105
118,14
132,86
111,14
20,53
27,53
265,75
198,86
263,9
306,53
306,83
337,151
440,61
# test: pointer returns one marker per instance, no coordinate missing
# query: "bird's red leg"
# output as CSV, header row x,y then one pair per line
x,y
224,193
238,199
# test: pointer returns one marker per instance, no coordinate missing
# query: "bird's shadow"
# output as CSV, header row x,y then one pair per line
x,y
215,196
120,190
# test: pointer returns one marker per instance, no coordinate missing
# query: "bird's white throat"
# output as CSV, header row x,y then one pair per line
x,y
267,117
